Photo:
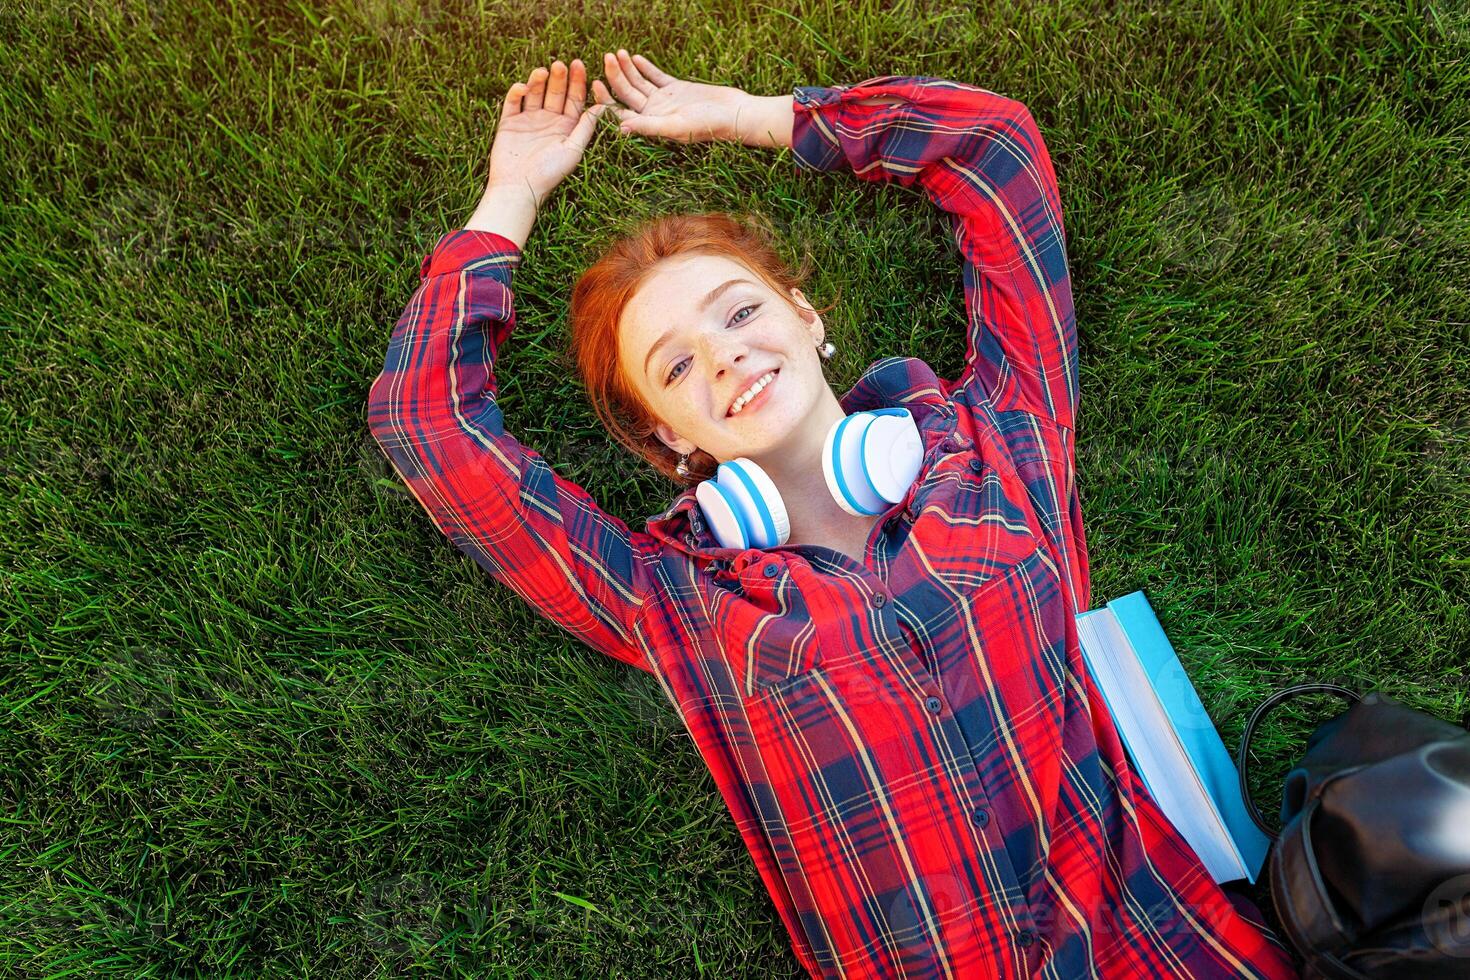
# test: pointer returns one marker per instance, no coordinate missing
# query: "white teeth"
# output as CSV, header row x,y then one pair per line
x,y
752,391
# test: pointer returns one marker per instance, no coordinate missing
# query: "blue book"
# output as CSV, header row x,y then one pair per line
x,y
1170,737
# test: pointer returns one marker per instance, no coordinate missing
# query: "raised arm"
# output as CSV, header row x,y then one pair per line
x,y
980,158
433,409
977,155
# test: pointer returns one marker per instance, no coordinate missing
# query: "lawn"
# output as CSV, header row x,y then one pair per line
x,y
260,717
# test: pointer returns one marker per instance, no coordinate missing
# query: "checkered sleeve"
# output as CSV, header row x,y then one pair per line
x,y
981,159
434,412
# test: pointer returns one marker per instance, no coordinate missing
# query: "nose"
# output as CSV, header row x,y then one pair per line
x,y
725,352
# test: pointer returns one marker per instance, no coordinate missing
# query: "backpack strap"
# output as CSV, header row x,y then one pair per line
x,y
1257,716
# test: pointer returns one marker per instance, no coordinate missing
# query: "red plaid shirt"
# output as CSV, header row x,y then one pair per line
x,y
923,771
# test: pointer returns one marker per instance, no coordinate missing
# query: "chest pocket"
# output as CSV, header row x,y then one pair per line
x,y
764,627
981,511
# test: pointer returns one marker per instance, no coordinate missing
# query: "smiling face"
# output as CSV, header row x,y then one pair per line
x,y
694,336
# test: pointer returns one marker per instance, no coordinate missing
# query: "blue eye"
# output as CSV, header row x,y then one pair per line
x,y
734,319
742,310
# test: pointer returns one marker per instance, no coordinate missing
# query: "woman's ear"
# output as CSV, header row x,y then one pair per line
x,y
811,316
672,439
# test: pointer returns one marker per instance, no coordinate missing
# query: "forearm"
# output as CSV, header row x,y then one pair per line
x,y
506,209
434,411
906,129
765,121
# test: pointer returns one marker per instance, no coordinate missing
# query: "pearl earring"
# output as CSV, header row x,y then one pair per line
x,y
683,465
825,351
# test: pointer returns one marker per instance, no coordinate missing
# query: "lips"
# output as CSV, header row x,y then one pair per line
x,y
774,373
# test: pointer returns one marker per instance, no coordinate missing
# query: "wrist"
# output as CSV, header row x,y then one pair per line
x,y
507,209
765,121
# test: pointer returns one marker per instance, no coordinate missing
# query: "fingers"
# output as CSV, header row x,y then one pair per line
x,y
535,89
631,88
556,87
634,74
576,89
563,88
586,125
650,72
631,79
513,97
605,100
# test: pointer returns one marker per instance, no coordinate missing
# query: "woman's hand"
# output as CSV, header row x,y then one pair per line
x,y
655,103
543,130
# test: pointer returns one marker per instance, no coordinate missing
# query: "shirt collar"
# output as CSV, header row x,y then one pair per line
x,y
906,382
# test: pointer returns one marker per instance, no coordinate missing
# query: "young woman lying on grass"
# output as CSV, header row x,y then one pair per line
x,y
893,705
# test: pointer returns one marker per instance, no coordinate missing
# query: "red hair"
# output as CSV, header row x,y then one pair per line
x,y
604,290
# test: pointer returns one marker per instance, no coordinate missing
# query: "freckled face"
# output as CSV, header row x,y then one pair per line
x,y
691,342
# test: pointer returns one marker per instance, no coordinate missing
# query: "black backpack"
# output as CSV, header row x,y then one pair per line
x,y
1370,872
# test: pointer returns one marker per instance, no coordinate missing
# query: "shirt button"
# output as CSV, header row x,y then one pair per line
x,y
981,816
771,570
1025,937
976,465
878,600
933,705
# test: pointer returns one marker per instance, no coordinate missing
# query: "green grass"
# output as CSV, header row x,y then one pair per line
x,y
260,717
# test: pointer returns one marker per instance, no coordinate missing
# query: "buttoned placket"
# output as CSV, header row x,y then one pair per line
x,y
970,785
885,606
977,802
931,697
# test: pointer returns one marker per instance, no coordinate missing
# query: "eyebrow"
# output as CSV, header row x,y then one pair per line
x,y
709,298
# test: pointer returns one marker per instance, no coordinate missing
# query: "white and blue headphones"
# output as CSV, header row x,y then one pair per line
x,y
870,460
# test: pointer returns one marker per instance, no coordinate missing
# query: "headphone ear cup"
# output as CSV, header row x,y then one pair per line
x,y
892,453
757,500
723,514
842,466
